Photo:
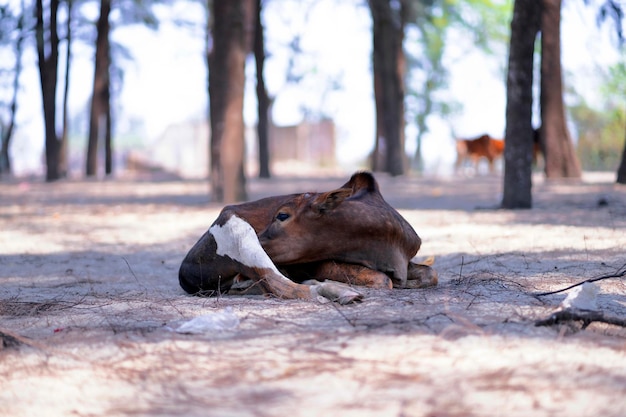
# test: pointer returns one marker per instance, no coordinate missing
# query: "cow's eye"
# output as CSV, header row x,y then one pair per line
x,y
281,217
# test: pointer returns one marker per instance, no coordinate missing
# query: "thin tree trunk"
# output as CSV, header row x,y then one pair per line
x,y
99,120
262,98
63,150
7,134
519,130
48,57
388,69
621,171
108,139
560,157
418,161
233,27
379,153
208,48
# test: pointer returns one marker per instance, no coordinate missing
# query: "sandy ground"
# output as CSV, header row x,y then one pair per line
x,y
89,295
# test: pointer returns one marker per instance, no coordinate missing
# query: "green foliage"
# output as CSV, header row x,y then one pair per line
x,y
429,23
489,21
132,12
615,87
601,131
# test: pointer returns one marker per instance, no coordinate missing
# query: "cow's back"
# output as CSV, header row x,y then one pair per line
x,y
353,224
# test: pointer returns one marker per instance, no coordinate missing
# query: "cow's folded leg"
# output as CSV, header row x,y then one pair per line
x,y
352,274
282,287
419,276
236,239
335,291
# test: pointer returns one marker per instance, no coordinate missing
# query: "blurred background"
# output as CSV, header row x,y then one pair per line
x,y
318,68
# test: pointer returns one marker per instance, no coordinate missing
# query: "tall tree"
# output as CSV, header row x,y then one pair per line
x,y
388,21
617,86
613,9
100,110
63,147
17,45
48,56
100,123
263,100
525,25
431,22
233,28
621,171
560,156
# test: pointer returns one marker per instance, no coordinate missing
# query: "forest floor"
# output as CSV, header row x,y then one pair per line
x,y
89,297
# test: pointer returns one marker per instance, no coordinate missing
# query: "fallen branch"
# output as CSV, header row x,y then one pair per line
x,y
586,317
13,340
621,272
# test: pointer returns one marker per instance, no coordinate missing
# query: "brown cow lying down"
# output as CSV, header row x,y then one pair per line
x,y
349,235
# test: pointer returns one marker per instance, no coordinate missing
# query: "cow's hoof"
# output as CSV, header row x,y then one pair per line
x,y
421,276
336,292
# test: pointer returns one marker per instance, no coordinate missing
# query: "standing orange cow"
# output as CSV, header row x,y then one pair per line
x,y
482,147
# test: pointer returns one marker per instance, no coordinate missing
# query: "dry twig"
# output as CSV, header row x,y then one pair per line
x,y
9,339
586,317
621,272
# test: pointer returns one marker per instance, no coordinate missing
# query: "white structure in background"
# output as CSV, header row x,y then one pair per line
x,y
183,149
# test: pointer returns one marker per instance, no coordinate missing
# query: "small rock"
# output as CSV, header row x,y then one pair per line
x,y
582,297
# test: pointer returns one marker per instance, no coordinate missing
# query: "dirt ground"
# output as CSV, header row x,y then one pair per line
x,y
89,297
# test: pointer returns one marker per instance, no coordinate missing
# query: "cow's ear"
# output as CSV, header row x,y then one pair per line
x,y
328,201
362,182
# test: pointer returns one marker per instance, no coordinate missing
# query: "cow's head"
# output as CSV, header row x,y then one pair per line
x,y
350,224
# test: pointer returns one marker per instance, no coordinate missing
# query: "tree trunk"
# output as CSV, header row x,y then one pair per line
x,y
263,99
108,142
560,157
418,162
519,131
7,133
233,25
48,57
63,149
99,116
388,71
621,171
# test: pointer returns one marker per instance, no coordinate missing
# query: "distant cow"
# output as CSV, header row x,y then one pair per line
x,y
474,149
348,235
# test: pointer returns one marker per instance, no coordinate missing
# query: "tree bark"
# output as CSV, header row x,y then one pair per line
x,y
48,57
621,171
63,147
559,154
388,76
7,133
100,116
422,128
233,27
519,131
263,100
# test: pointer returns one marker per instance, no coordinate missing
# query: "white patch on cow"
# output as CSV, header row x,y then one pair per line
x,y
238,240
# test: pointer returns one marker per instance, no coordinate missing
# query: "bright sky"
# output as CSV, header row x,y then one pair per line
x,y
166,82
